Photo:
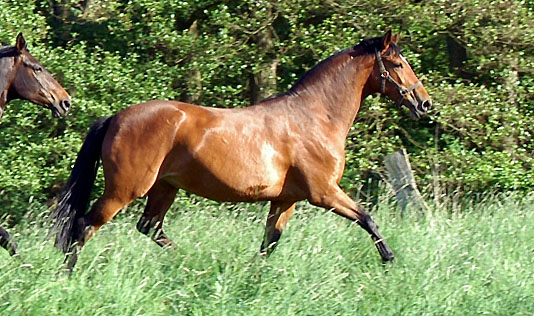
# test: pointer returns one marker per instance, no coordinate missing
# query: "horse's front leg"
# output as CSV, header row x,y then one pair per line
x,y
277,219
340,203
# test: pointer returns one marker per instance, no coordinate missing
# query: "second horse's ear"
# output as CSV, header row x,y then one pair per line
x,y
21,43
395,39
386,40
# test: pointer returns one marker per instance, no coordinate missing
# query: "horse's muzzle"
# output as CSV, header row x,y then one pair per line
x,y
423,107
61,108
420,109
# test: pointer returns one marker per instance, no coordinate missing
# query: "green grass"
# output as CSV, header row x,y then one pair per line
x,y
478,261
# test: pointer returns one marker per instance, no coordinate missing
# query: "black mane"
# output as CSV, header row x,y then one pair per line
x,y
371,45
366,47
8,51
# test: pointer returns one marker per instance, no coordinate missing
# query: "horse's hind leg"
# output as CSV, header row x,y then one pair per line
x,y
343,205
160,198
277,219
102,211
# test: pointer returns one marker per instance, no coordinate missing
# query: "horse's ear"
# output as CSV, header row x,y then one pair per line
x,y
21,42
395,39
386,40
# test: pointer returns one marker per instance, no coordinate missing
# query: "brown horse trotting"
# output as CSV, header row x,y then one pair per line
x,y
22,77
285,149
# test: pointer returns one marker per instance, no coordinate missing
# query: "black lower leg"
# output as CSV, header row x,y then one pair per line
x,y
144,225
7,242
270,242
367,223
153,228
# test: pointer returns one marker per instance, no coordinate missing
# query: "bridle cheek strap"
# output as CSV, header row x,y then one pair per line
x,y
384,74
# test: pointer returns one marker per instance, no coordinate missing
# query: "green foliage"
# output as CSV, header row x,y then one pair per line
x,y
474,262
110,54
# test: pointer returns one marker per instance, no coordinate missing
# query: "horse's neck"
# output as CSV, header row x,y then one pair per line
x,y
6,76
334,98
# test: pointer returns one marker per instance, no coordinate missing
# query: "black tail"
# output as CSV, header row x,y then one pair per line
x,y
74,199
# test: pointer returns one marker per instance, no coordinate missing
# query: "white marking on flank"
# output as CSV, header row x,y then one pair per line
x,y
268,154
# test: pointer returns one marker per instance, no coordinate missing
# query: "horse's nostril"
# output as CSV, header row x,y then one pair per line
x,y
66,104
426,105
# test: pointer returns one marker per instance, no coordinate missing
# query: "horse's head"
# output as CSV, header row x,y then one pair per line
x,y
34,83
394,77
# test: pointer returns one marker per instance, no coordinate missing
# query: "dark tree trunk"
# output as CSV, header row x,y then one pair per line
x,y
263,82
193,83
457,56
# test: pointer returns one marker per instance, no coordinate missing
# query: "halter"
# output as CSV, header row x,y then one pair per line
x,y
384,74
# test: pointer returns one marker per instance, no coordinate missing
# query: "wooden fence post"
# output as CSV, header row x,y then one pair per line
x,y
401,177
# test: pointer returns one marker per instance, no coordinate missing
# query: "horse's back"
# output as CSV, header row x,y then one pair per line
x,y
222,154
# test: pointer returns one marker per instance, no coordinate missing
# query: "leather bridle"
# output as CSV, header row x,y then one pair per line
x,y
384,74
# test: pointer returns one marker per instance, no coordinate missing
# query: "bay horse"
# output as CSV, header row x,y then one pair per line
x,y
23,77
284,149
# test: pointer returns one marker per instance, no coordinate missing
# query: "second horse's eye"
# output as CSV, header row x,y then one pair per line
x,y
399,65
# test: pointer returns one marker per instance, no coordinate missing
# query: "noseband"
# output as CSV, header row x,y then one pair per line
x,y
384,74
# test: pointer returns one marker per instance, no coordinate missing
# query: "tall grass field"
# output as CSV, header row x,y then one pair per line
x,y
475,260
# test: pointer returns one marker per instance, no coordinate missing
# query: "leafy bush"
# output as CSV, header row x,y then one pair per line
x,y
110,54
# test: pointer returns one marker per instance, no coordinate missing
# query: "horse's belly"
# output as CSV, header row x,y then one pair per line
x,y
229,175
218,187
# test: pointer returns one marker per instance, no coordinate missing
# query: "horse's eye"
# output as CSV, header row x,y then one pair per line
x,y
399,65
38,69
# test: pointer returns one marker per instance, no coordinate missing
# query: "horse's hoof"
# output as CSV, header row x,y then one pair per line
x,y
385,252
387,257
